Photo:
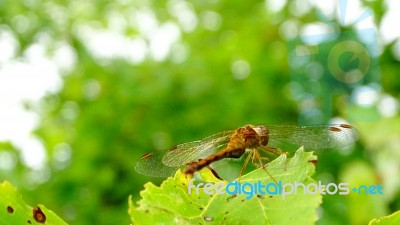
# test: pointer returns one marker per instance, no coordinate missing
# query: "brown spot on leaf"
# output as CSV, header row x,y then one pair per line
x,y
10,209
313,161
260,196
38,215
233,196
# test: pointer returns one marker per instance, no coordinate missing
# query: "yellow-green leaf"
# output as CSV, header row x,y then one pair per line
x,y
171,204
14,211
387,220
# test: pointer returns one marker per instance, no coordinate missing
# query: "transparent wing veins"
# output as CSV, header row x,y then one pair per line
x,y
313,137
193,151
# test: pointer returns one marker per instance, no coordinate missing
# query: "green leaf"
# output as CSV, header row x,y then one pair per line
x,y
389,220
15,211
171,204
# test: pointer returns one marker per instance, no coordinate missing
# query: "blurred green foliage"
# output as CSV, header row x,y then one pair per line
x,y
110,111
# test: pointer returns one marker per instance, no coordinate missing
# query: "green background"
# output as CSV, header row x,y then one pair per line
x,y
110,110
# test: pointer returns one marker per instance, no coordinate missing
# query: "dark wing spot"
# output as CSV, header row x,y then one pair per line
x,y
10,209
29,222
147,155
334,129
346,126
38,215
201,208
208,218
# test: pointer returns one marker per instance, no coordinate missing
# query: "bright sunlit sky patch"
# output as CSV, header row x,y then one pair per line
x,y
22,80
28,78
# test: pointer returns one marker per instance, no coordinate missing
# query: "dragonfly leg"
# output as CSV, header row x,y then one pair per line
x,y
263,166
255,157
245,163
272,150
265,160
258,156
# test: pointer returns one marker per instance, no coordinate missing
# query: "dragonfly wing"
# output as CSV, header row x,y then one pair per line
x,y
151,164
193,151
312,137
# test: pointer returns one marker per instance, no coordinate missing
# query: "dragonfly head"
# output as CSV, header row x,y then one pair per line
x,y
262,133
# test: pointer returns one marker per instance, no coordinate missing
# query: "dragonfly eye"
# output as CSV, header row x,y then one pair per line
x,y
262,132
264,140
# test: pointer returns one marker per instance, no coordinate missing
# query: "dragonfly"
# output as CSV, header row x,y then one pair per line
x,y
254,140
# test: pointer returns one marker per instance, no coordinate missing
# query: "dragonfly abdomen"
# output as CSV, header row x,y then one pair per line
x,y
228,152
